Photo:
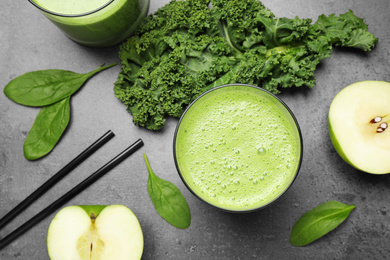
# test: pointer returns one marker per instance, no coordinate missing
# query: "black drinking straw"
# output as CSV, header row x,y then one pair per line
x,y
72,193
56,178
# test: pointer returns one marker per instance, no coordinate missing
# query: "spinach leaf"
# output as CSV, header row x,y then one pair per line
x,y
319,221
45,87
168,200
47,129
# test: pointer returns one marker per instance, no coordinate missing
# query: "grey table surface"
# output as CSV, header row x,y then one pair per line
x,y
30,42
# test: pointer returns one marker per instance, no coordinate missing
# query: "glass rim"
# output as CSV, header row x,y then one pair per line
x,y
70,15
300,155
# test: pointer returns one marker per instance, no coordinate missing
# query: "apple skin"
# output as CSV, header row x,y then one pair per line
x,y
115,227
362,99
338,148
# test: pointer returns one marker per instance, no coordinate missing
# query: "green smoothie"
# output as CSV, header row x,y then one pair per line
x,y
238,148
112,24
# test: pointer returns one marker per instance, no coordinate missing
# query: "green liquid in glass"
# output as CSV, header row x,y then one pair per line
x,y
106,27
238,148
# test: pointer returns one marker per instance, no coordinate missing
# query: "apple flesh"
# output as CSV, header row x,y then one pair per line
x,y
359,118
95,232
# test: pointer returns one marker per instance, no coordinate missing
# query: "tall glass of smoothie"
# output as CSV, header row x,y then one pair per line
x,y
97,23
238,147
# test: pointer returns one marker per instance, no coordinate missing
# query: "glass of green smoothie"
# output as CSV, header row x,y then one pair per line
x,y
96,23
238,147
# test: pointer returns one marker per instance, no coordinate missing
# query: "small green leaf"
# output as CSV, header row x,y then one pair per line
x,y
318,222
168,200
47,129
45,87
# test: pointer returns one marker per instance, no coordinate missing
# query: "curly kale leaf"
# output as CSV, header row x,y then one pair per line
x,y
346,30
170,60
188,47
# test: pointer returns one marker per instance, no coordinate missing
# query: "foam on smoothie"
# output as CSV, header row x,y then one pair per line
x,y
238,148
71,6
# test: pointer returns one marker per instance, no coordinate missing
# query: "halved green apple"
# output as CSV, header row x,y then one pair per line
x,y
359,118
95,232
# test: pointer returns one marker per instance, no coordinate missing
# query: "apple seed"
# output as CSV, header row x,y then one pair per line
x,y
382,127
376,120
